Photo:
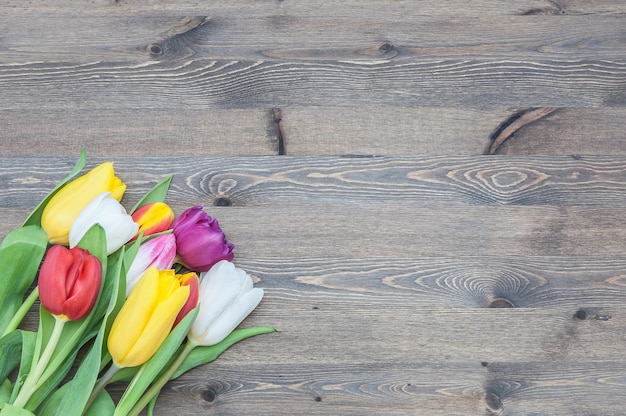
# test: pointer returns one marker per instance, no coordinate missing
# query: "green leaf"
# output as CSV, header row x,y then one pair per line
x,y
26,357
10,410
53,380
71,398
21,253
103,405
5,391
203,355
35,217
10,352
155,365
115,292
156,194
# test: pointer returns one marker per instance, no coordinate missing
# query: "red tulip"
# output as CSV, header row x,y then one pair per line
x,y
69,282
191,280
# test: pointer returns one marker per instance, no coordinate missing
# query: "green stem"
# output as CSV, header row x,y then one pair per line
x,y
21,312
102,383
156,387
32,380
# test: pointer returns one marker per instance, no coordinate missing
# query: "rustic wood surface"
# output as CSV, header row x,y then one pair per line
x,y
432,194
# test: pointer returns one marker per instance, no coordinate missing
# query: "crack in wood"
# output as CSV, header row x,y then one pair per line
x,y
277,118
514,123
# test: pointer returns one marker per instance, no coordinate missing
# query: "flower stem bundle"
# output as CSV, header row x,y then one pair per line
x,y
144,294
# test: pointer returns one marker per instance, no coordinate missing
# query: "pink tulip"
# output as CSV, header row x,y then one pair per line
x,y
159,251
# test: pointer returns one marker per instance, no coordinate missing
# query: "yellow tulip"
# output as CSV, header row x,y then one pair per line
x,y
146,318
65,205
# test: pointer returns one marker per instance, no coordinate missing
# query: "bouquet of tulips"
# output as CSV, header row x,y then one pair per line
x,y
138,297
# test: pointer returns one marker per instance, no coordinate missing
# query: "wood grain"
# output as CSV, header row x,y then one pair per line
x,y
307,131
342,147
264,8
198,83
387,182
452,388
267,32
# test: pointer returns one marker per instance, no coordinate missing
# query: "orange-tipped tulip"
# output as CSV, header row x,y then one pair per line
x,y
153,218
65,205
69,282
146,318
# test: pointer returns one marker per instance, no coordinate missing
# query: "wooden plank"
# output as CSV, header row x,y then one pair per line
x,y
581,287
598,131
440,389
446,388
307,131
410,231
115,133
411,83
367,182
336,32
266,8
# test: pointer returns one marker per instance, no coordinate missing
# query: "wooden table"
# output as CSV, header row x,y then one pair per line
x,y
431,193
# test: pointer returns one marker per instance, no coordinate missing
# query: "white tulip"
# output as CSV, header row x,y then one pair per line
x,y
119,227
226,299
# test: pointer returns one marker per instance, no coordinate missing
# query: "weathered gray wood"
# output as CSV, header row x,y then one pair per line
x,y
341,146
307,131
408,82
137,132
446,388
348,8
374,32
409,231
395,182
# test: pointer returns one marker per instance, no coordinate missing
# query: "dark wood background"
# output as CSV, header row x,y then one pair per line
x,y
431,193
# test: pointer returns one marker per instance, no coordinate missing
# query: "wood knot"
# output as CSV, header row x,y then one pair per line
x,y
155,49
386,47
493,402
209,394
223,202
501,303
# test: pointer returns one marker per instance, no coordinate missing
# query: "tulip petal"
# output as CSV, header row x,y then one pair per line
x,y
64,207
218,288
135,312
232,317
157,328
159,251
110,214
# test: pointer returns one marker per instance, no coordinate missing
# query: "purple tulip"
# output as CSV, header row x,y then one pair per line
x,y
200,242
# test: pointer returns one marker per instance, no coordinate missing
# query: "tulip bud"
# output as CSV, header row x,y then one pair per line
x,y
69,282
159,251
153,218
146,318
200,242
118,226
226,298
191,280
63,208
